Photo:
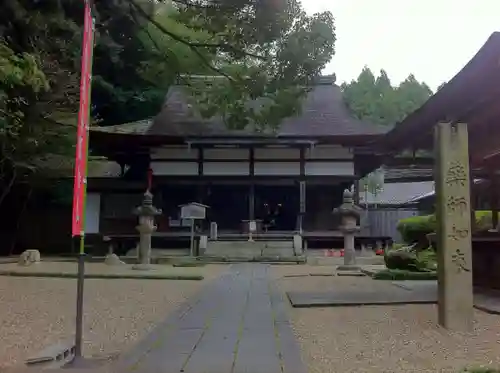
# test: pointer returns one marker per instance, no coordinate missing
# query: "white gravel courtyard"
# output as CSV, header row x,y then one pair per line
x,y
383,339
38,312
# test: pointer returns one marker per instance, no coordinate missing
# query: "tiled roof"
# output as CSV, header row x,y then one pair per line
x,y
415,174
56,166
324,113
398,193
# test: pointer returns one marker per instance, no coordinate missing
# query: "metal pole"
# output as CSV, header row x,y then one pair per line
x,y
79,301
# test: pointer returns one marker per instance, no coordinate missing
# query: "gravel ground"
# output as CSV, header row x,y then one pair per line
x,y
37,312
385,338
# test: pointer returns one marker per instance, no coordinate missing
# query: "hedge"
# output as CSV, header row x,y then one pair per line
x,y
415,228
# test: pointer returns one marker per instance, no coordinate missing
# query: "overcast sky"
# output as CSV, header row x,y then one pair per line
x,y
433,39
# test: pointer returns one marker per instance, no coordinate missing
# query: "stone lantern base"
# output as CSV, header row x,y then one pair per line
x,y
142,267
348,267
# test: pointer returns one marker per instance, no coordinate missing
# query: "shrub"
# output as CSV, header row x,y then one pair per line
x,y
409,259
415,229
427,260
483,220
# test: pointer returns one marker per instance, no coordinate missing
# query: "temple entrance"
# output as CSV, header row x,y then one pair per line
x,y
277,207
228,206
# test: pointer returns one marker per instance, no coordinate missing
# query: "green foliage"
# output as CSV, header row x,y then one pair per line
x,y
268,50
376,100
373,182
427,260
39,47
415,228
265,51
402,275
484,220
408,258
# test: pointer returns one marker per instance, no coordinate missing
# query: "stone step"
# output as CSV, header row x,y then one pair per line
x,y
249,249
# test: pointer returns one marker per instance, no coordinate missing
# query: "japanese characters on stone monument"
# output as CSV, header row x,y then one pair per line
x,y
455,298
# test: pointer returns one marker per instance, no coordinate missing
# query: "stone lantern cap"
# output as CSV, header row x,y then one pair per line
x,y
147,208
348,208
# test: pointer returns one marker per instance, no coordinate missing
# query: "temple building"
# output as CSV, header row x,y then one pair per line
x,y
288,182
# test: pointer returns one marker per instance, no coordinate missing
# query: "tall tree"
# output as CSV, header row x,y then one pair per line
x,y
39,64
266,50
376,100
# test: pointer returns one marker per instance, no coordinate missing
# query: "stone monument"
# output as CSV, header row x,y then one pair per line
x,y
146,213
349,214
455,292
29,257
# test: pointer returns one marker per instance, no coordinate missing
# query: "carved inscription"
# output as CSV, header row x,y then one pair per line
x,y
456,204
457,234
458,259
456,174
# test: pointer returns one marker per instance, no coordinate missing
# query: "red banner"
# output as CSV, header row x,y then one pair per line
x,y
79,189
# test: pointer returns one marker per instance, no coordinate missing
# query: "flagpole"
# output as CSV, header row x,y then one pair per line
x,y
81,162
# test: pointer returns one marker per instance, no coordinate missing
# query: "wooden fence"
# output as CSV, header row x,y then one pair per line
x,y
383,221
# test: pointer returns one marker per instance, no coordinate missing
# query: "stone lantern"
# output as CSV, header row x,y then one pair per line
x,y
349,214
146,213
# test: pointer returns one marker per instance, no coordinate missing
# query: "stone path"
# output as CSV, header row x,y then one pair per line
x,y
237,324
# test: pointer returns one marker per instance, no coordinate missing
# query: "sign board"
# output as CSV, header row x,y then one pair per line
x,y
193,211
252,226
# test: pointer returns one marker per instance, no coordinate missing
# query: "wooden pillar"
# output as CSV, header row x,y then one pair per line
x,y
493,198
302,206
251,189
356,192
455,298
302,190
251,201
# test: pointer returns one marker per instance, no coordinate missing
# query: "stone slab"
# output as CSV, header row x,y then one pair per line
x,y
487,302
420,285
236,324
412,292
351,273
300,299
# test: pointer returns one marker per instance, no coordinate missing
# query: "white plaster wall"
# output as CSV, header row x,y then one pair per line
x,y
174,152
276,153
328,152
329,168
243,154
92,212
174,168
276,168
226,168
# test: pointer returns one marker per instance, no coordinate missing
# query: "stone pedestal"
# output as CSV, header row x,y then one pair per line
x,y
113,260
29,257
146,213
349,213
453,212
213,231
297,245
